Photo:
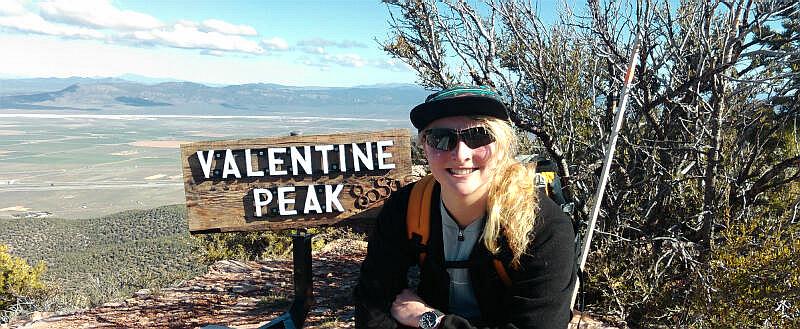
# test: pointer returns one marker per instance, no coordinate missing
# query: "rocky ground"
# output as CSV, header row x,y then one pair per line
x,y
237,295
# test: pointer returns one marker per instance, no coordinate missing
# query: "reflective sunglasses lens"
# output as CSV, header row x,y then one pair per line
x,y
477,137
441,138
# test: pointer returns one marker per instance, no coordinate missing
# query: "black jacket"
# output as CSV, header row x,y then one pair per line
x,y
541,290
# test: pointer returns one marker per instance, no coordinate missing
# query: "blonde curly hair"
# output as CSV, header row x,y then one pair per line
x,y
513,199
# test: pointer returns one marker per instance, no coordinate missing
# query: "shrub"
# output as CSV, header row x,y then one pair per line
x,y
242,245
756,277
259,245
758,283
18,280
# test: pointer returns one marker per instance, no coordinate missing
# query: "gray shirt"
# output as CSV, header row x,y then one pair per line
x,y
458,245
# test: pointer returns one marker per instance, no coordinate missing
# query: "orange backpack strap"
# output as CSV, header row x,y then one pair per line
x,y
418,217
419,211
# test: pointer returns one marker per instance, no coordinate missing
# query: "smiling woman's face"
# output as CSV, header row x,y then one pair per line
x,y
463,171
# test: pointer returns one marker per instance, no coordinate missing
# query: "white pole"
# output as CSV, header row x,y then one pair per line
x,y
612,142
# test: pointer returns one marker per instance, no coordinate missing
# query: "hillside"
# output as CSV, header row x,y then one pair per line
x,y
240,295
41,85
95,260
169,97
232,293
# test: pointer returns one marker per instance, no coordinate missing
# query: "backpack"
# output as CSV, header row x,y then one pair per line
x,y
547,179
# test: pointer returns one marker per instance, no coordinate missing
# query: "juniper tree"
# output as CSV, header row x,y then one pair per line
x,y
709,139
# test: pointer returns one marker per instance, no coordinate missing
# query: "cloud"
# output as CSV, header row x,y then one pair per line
x,y
215,25
103,20
351,60
215,53
97,14
305,61
319,42
31,23
275,43
14,16
188,36
392,64
326,62
319,46
313,50
213,37
12,8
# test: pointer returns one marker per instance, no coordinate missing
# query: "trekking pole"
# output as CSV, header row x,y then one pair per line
x,y
612,142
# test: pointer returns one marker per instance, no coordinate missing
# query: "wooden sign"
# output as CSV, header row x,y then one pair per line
x,y
291,182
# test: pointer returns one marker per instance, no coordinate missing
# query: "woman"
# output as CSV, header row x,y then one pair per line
x,y
485,206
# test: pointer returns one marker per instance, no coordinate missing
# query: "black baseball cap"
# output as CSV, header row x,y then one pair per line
x,y
460,100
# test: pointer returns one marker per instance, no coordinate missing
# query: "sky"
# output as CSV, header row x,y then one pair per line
x,y
330,43
300,43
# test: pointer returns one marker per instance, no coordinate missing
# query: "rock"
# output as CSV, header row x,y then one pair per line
x,y
39,315
320,310
244,289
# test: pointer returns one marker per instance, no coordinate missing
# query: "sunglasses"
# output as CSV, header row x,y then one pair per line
x,y
446,139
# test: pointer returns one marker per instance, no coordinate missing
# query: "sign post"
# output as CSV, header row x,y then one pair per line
x,y
292,182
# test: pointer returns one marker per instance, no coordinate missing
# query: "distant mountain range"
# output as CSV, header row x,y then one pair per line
x,y
108,94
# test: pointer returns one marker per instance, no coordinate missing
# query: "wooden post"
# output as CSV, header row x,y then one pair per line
x,y
303,285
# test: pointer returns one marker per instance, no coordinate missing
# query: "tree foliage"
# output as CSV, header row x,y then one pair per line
x,y
18,279
264,244
708,157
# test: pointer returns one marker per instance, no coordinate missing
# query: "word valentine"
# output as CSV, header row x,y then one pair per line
x,y
300,160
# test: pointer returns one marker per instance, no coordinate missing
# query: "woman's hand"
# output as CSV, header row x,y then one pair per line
x,y
407,308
